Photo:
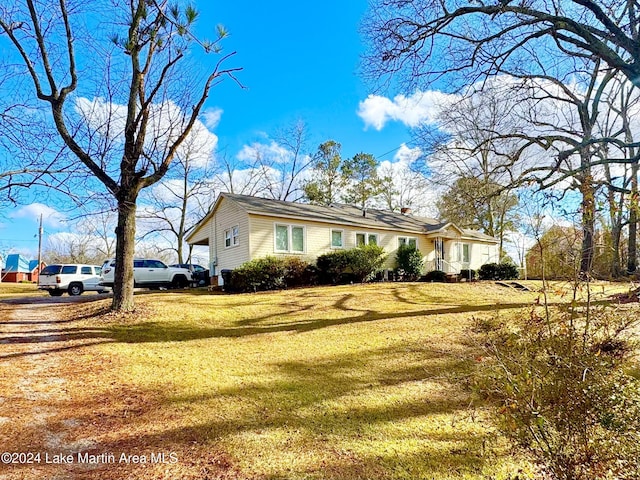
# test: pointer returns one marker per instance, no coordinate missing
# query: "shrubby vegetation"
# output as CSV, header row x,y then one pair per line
x,y
358,264
409,262
468,274
271,273
435,276
565,393
498,271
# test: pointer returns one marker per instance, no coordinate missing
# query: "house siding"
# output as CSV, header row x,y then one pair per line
x,y
227,216
257,239
318,238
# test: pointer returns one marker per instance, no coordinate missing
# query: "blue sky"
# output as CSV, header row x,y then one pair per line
x,y
300,61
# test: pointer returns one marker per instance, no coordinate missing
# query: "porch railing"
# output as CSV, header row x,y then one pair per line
x,y
449,267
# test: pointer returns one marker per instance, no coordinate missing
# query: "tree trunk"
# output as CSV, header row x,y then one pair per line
x,y
125,251
180,249
616,263
632,258
588,224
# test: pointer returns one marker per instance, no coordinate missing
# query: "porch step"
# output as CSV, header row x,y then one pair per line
x,y
516,285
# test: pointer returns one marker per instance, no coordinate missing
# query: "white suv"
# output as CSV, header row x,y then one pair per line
x,y
71,278
149,274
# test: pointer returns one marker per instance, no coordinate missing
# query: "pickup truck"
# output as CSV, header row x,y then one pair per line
x,y
71,278
149,274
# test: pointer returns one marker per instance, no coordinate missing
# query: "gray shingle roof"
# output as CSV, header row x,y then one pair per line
x,y
343,214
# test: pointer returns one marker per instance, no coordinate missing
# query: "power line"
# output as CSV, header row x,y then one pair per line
x,y
379,157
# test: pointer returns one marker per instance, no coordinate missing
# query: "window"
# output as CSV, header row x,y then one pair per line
x,y
51,270
337,239
289,238
69,269
86,271
463,252
411,241
232,237
366,239
154,264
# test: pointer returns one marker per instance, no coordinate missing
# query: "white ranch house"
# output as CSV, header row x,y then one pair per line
x,y
240,228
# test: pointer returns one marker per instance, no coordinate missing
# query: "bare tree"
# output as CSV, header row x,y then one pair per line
x,y
92,240
28,156
405,186
423,40
129,143
174,205
420,41
275,169
621,186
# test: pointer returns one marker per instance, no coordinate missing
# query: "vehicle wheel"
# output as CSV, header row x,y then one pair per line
x,y
55,293
180,281
75,289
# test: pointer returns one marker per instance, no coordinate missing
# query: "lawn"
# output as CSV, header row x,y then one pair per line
x,y
10,290
351,382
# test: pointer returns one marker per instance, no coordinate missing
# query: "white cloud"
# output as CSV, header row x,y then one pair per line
x,y
212,117
407,155
166,123
50,216
410,187
268,153
414,110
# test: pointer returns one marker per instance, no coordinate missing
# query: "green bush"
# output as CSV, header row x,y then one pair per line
x,y
299,273
271,273
435,276
332,266
468,274
409,262
366,261
358,264
498,271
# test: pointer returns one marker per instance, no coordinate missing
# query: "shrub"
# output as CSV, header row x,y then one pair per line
x,y
564,393
358,264
271,273
366,261
435,276
409,262
468,274
498,271
299,273
332,266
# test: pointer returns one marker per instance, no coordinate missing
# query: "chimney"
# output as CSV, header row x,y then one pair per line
x,y
405,211
364,212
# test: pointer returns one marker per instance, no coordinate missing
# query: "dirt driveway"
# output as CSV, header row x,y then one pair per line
x,y
65,413
34,432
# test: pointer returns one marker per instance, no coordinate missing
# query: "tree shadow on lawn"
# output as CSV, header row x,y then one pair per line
x,y
172,331
368,414
344,416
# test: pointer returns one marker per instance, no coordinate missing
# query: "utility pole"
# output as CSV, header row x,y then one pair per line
x,y
40,231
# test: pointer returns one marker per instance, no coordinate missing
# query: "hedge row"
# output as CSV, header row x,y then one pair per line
x,y
359,264
274,273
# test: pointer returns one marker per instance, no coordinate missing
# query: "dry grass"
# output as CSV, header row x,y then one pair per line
x,y
12,290
353,382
